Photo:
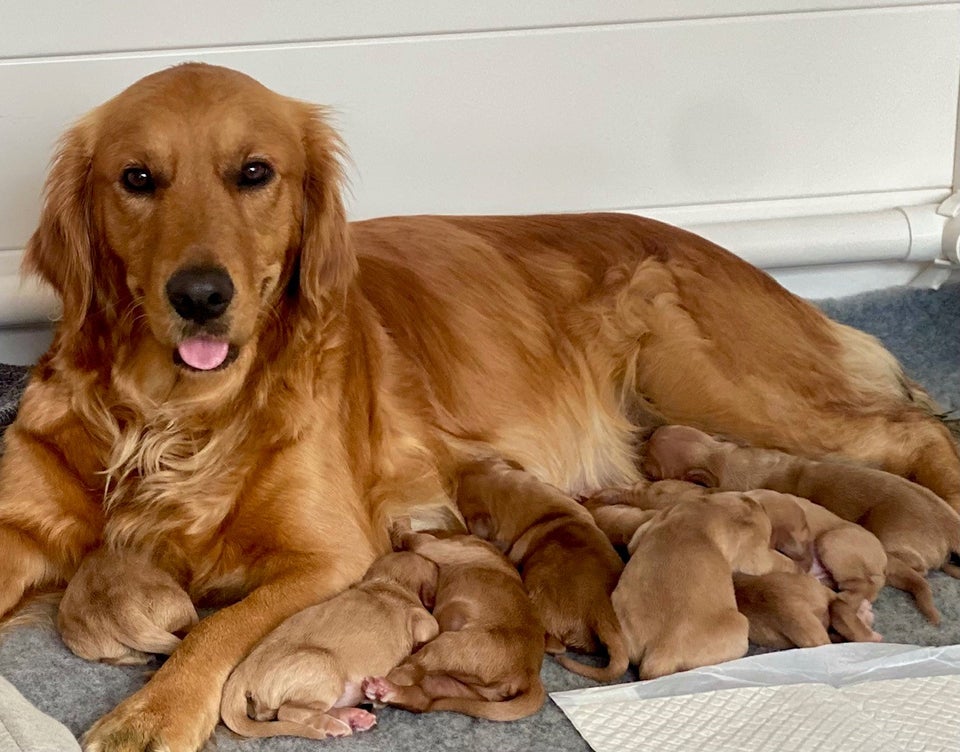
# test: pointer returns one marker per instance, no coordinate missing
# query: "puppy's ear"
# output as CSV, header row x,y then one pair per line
x,y
423,628
481,525
326,262
61,249
428,586
701,476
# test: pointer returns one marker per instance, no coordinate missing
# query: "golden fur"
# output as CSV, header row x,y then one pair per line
x,y
917,529
675,598
791,609
567,564
305,677
849,556
486,660
371,360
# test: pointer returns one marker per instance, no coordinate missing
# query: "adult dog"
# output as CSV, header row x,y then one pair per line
x,y
244,387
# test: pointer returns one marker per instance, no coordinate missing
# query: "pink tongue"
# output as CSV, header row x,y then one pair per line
x,y
203,354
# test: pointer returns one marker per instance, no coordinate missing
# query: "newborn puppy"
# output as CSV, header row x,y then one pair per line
x,y
486,661
787,609
307,673
148,608
675,598
918,530
846,555
568,566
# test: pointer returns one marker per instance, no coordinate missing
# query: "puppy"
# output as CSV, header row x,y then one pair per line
x,y
307,673
918,530
787,609
568,566
846,555
675,599
486,660
148,607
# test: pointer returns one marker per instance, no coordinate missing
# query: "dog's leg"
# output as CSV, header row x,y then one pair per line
x,y
179,706
48,519
618,521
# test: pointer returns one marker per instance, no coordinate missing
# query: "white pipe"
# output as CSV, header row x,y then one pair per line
x,y
913,233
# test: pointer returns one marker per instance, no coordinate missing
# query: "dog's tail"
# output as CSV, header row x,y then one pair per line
x,y
904,577
846,622
610,634
524,704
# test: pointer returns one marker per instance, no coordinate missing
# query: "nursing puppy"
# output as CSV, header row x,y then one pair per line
x,y
568,566
304,678
675,599
486,660
846,554
917,529
788,609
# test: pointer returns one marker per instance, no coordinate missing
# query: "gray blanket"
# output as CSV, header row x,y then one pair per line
x,y
919,326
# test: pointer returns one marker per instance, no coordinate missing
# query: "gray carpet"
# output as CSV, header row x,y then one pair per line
x,y
919,326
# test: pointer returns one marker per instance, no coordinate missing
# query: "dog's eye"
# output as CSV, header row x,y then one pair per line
x,y
138,180
254,174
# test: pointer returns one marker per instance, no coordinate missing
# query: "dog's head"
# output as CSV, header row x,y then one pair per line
x,y
187,210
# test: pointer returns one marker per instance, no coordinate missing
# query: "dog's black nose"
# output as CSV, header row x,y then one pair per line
x,y
200,293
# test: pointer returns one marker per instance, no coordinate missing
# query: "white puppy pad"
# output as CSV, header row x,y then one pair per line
x,y
838,698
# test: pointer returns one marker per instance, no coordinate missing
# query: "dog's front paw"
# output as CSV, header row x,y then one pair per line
x,y
139,724
128,728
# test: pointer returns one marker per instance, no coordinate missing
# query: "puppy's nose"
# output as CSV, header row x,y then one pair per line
x,y
200,293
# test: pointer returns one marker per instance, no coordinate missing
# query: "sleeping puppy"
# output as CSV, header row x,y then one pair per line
x,y
917,529
304,678
568,566
486,660
675,598
148,607
847,555
788,609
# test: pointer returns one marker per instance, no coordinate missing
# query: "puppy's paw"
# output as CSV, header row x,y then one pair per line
x,y
378,689
866,615
606,496
357,718
326,723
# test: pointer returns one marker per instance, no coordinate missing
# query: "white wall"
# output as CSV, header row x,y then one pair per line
x,y
694,112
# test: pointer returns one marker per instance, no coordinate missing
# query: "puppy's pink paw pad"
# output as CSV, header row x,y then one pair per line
x,y
377,688
357,718
865,612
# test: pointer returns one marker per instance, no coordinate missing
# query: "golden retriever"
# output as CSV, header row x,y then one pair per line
x,y
244,387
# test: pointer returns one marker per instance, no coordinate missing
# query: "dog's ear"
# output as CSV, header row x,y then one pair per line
x,y
61,249
481,525
702,477
428,585
326,262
